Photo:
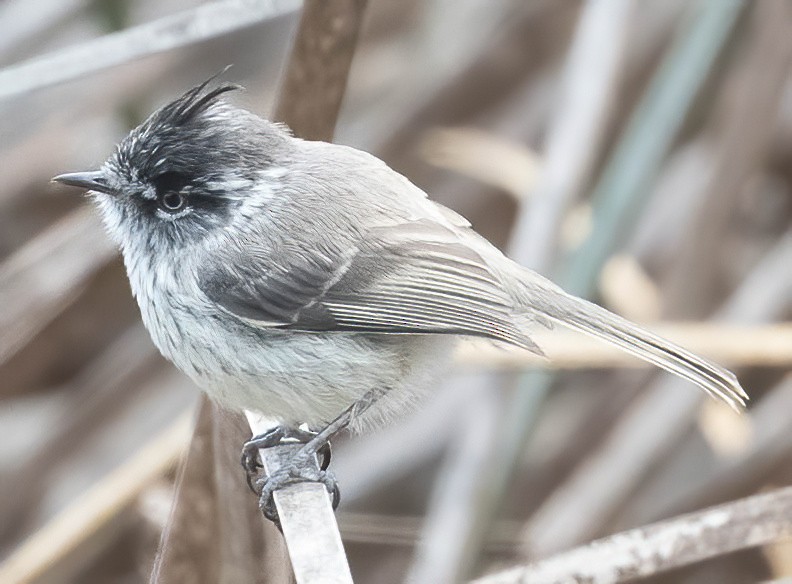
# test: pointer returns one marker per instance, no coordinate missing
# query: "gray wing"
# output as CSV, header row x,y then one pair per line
x,y
417,277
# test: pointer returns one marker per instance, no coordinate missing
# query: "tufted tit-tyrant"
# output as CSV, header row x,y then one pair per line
x,y
310,282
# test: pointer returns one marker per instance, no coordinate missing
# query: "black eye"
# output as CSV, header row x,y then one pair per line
x,y
169,186
172,202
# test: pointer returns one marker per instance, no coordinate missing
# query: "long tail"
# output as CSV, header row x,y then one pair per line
x,y
594,320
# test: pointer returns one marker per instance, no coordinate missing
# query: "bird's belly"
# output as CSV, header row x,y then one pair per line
x,y
297,377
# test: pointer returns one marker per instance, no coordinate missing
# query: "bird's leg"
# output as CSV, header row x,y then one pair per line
x,y
275,437
301,467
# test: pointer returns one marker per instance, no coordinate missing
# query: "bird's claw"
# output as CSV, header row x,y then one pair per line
x,y
296,472
275,437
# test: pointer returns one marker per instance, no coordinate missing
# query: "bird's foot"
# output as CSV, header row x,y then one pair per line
x,y
277,436
301,468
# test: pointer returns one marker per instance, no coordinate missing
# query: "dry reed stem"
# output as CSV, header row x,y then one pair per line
x,y
731,345
750,522
56,548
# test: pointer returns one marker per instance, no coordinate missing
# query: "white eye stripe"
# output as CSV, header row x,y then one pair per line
x,y
162,214
229,185
148,194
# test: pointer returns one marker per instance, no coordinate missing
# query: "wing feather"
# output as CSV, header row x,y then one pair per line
x,y
416,277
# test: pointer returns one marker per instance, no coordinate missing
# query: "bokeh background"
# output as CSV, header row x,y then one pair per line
x,y
639,152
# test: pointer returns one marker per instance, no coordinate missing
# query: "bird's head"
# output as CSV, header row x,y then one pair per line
x,y
183,172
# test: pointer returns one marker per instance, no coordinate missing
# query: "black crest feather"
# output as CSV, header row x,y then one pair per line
x,y
196,100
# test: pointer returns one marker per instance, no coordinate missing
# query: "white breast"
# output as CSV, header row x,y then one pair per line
x,y
292,376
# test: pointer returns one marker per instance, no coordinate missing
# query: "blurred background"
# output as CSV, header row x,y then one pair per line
x,y
638,152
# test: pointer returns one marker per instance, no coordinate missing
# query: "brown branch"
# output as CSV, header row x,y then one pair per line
x,y
681,541
316,76
215,532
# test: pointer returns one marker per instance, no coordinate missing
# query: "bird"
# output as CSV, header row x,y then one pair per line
x,y
310,282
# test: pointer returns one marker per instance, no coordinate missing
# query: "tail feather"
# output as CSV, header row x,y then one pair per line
x,y
594,320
